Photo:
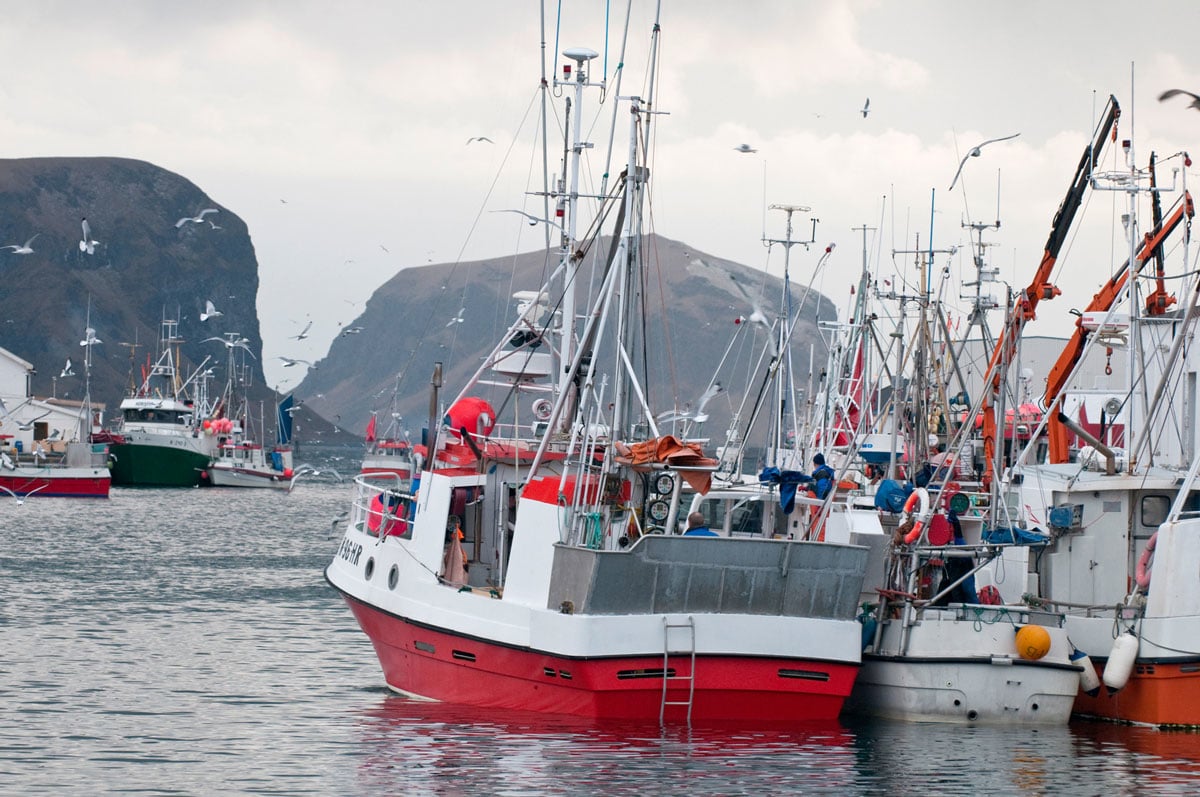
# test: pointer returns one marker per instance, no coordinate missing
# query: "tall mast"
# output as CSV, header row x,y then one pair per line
x,y
581,56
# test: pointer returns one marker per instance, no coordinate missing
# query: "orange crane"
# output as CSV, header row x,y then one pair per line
x,y
1101,302
1025,308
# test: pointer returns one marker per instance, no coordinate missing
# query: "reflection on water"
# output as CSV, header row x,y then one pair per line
x,y
185,642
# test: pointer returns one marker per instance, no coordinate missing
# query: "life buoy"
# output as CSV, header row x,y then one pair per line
x,y
918,499
386,518
1142,576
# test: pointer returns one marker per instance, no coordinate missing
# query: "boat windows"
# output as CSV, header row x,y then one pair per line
x,y
1154,510
746,517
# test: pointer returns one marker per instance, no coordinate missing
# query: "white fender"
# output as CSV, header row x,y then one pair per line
x,y
1120,662
1089,682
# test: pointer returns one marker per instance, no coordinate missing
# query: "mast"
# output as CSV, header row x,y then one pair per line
x,y
785,388
581,56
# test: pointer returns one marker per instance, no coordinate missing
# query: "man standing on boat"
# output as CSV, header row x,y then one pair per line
x,y
697,527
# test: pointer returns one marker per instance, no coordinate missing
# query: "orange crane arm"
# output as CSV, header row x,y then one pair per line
x,y
1102,301
1040,287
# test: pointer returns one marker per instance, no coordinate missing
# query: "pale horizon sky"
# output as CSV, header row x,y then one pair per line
x,y
357,114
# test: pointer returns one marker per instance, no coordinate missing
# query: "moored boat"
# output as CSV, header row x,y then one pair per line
x,y
519,568
159,439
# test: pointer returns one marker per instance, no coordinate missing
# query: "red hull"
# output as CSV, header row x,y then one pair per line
x,y
436,664
1157,694
42,486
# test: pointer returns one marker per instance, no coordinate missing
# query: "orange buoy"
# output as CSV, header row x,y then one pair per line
x,y
1033,642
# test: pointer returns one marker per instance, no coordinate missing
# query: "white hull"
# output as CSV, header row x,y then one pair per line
x,y
960,664
224,476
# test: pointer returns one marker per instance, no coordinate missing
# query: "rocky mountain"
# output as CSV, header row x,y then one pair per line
x,y
454,314
145,267
142,269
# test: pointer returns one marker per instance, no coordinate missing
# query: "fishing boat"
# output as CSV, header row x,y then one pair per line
x,y
1118,498
517,568
44,448
245,463
240,460
390,451
159,439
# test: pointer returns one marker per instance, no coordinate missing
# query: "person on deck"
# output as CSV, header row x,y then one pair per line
x,y
822,477
697,527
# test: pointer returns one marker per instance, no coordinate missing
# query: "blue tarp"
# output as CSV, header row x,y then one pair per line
x,y
891,495
789,481
1015,536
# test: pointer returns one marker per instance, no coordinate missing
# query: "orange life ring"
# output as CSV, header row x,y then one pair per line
x,y
918,500
1142,576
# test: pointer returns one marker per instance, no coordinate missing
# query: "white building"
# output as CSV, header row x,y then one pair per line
x,y
28,422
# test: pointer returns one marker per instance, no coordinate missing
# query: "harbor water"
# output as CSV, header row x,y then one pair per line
x,y
184,641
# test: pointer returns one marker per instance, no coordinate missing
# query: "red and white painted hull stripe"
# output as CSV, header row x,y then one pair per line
x,y
438,664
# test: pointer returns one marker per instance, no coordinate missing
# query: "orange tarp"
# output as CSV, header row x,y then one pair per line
x,y
670,450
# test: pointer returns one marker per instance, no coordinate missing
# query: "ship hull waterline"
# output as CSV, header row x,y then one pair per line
x,y
135,465
433,663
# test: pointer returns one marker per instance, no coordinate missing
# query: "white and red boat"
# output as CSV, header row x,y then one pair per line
x,y
71,470
43,448
519,569
391,453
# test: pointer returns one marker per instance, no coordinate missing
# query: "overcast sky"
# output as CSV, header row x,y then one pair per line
x,y
357,114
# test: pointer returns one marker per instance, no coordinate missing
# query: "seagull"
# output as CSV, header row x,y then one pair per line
x,y
458,319
19,499
351,331
89,338
303,333
757,316
974,153
233,341
198,218
23,249
384,248
88,244
66,371
480,138
866,109
532,218
214,226
1169,93
744,148
210,311
288,362
25,426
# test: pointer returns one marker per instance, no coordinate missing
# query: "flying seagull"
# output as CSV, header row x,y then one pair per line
x,y
303,333
233,340
974,153
532,218
351,331
89,338
23,249
88,244
19,499
66,371
458,319
866,109
198,218
25,426
1169,93
480,138
746,148
288,362
210,311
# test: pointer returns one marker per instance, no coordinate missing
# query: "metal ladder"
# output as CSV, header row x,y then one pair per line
x,y
690,651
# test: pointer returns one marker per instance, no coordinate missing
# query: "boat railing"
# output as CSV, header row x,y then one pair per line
x,y
384,505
